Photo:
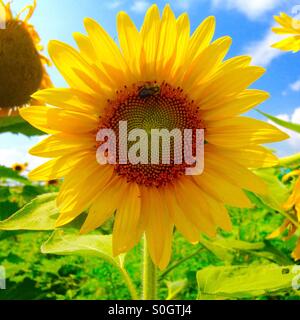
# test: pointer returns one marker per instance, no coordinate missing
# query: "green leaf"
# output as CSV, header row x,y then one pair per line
x,y
39,214
288,125
4,193
219,251
277,194
239,245
175,287
237,282
225,249
18,125
68,242
7,173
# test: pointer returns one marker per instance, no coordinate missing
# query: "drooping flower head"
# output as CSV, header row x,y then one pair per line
x,y
160,77
293,207
22,66
291,27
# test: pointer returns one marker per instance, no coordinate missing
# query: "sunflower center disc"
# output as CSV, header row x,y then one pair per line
x,y
151,106
20,65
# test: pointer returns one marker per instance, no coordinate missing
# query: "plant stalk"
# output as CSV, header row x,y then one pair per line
x,y
149,275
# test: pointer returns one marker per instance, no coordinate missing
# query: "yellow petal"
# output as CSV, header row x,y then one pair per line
x,y
251,156
219,213
296,252
190,199
221,189
105,47
230,82
150,36
166,44
250,131
201,38
85,46
105,205
76,71
81,187
216,161
52,120
235,105
130,41
289,44
183,224
62,144
159,228
207,62
183,38
70,99
127,220
57,168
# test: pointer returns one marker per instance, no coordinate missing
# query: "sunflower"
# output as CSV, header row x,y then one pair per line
x,y
293,207
19,167
197,89
22,66
288,26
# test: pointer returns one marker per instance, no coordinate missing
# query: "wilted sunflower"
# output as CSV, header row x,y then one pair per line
x,y
289,26
293,206
197,90
19,167
22,66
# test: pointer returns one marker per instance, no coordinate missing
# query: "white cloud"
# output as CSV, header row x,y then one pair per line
x,y
252,9
140,6
262,52
295,86
114,4
184,4
9,156
294,141
18,152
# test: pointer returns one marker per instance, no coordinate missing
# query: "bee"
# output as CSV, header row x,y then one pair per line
x,y
149,90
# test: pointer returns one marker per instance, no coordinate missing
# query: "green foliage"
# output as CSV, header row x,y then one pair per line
x,y
174,288
39,214
18,125
288,125
70,243
7,173
237,282
74,266
278,193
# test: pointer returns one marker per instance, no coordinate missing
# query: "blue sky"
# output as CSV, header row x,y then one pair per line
x,y
247,22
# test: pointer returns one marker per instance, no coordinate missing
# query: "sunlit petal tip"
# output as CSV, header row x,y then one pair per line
x,y
53,43
211,20
90,24
167,9
122,15
77,36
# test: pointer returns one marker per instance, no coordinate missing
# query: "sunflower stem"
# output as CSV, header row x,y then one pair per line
x,y
129,283
149,275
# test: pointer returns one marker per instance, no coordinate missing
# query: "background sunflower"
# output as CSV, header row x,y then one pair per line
x,y
23,67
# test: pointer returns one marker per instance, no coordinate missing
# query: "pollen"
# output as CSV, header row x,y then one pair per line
x,y
144,106
20,64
